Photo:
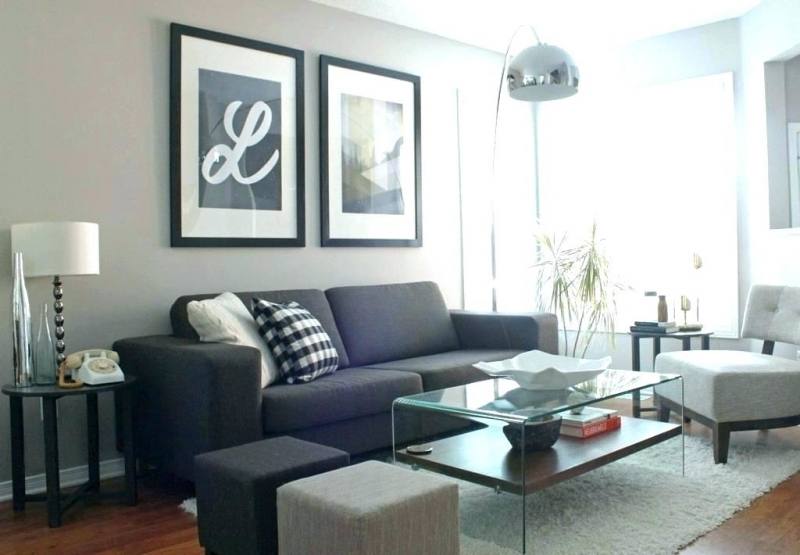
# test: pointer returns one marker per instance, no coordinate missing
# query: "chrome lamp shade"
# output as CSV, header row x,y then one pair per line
x,y
542,72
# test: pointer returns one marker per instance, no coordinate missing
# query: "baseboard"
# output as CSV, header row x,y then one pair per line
x,y
69,477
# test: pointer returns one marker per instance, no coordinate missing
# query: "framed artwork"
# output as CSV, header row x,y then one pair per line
x,y
369,156
237,161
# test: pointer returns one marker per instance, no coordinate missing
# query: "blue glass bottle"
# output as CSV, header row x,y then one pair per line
x,y
44,360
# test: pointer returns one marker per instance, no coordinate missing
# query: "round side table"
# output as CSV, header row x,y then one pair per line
x,y
49,395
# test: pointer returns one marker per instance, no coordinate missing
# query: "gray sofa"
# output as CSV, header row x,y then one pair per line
x,y
393,340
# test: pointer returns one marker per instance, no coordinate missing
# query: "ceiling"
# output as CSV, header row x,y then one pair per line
x,y
568,23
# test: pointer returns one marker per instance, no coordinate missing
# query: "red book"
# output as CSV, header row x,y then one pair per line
x,y
593,428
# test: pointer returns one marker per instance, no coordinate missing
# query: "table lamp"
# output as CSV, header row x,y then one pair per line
x,y
58,249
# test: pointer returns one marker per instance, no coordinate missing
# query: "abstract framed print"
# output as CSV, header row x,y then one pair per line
x,y
369,156
237,162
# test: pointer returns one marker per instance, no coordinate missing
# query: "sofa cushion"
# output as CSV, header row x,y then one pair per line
x,y
302,348
225,319
447,369
313,300
348,393
390,322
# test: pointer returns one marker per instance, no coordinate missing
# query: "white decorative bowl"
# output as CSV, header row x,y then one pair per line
x,y
538,370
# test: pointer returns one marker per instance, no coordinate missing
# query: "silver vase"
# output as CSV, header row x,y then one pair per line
x,y
21,327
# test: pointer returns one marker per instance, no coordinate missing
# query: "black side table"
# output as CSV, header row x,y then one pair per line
x,y
50,394
686,339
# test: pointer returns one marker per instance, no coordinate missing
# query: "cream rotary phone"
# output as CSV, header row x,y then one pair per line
x,y
95,367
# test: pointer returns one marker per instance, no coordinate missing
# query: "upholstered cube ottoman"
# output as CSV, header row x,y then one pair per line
x,y
370,508
236,491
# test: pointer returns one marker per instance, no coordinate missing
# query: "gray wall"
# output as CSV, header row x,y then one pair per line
x,y
792,85
84,100
768,33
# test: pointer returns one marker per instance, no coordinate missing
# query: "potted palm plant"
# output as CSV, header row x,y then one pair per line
x,y
574,282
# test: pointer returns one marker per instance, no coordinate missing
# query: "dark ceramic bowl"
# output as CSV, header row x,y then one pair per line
x,y
538,435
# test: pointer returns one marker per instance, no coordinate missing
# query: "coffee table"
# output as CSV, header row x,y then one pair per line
x,y
481,454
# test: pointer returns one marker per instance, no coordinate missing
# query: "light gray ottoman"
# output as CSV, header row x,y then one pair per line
x,y
370,508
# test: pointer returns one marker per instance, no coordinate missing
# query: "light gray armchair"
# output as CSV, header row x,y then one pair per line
x,y
731,391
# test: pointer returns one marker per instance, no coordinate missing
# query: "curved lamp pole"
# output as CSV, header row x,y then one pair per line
x,y
538,73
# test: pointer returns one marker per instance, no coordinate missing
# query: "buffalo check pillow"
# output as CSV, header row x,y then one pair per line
x,y
302,349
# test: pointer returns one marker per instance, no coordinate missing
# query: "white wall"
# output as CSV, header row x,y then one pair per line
x,y
769,32
84,110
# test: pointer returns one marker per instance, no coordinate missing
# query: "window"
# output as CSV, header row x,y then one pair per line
x,y
655,168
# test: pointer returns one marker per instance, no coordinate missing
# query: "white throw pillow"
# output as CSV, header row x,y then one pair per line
x,y
225,319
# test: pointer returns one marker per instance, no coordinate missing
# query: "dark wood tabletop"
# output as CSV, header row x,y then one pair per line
x,y
676,335
55,391
485,457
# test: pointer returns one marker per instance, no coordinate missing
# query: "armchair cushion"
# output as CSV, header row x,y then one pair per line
x,y
733,386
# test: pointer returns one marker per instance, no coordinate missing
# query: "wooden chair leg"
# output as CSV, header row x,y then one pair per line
x,y
663,412
722,437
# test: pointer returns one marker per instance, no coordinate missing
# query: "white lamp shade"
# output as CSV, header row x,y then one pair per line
x,y
57,248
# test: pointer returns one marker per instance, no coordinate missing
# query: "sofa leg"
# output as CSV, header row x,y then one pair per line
x,y
663,412
722,437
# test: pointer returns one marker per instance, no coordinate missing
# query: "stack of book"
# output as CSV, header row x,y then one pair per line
x,y
654,327
590,422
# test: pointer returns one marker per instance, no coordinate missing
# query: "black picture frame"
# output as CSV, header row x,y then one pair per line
x,y
325,62
177,31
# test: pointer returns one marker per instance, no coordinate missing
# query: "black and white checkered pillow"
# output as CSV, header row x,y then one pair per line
x,y
302,349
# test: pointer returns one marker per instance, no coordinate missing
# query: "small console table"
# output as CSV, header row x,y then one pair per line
x,y
49,395
686,339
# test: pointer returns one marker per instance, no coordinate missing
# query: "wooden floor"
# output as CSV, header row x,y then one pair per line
x,y
770,526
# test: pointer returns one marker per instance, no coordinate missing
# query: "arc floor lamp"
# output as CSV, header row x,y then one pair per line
x,y
538,73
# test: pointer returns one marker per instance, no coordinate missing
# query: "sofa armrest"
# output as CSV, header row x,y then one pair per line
x,y
192,397
493,330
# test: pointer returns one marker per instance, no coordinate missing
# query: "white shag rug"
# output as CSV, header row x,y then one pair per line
x,y
638,505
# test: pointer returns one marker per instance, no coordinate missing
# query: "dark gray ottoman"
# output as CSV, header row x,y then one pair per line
x,y
236,499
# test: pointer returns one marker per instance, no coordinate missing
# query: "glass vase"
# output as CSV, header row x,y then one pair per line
x,y
44,352
21,327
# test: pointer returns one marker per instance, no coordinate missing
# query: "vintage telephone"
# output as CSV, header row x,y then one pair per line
x,y
91,367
